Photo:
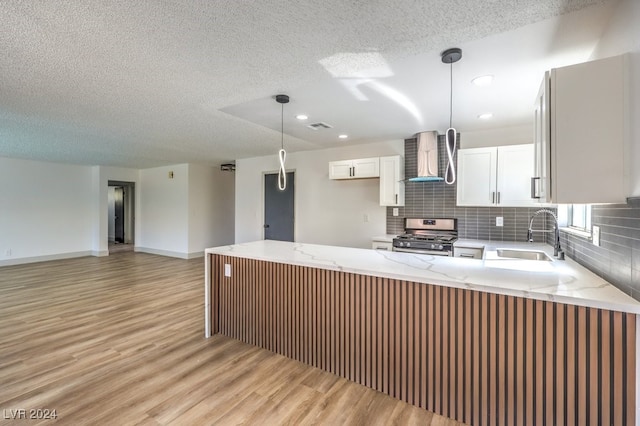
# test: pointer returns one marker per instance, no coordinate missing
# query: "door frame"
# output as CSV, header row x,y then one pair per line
x,y
129,201
295,200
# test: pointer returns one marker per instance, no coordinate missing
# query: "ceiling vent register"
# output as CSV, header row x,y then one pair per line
x,y
320,125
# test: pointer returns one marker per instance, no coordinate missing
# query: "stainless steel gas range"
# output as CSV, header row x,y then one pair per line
x,y
427,236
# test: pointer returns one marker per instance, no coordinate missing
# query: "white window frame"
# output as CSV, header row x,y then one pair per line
x,y
566,219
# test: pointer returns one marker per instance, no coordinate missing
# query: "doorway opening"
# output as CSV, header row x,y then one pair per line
x,y
120,216
278,208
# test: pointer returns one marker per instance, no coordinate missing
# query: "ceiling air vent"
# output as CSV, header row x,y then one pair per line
x,y
320,125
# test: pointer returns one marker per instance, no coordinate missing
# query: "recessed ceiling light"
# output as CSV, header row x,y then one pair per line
x,y
484,80
485,116
343,136
302,117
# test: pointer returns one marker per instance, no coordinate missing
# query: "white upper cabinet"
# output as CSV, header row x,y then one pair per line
x,y
495,176
341,169
477,169
355,169
582,133
391,181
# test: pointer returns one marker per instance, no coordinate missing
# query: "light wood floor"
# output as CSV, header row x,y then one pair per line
x,y
119,340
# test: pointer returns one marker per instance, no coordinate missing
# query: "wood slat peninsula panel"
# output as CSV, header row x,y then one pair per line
x,y
476,357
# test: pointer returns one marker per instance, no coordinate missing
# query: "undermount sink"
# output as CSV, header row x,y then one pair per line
x,y
523,254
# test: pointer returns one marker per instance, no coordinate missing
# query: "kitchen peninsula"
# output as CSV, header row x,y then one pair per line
x,y
479,341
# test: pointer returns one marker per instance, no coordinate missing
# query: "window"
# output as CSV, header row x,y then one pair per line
x,y
576,218
580,217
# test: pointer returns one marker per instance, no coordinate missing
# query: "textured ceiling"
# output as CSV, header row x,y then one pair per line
x,y
149,83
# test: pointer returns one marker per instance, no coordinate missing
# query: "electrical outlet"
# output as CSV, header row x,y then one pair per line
x,y
499,221
595,235
227,270
365,217
395,211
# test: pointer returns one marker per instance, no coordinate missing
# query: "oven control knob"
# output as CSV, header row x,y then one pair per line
x,y
401,244
440,247
433,246
408,244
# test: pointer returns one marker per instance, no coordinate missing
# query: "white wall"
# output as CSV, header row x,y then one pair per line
x,y
182,216
163,225
326,211
623,35
45,211
52,211
211,208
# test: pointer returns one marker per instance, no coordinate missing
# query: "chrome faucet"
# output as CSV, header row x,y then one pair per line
x,y
557,250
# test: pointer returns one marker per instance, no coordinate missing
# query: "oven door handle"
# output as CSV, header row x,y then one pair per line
x,y
417,251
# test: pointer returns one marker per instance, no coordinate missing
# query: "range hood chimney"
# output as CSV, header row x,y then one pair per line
x,y
421,154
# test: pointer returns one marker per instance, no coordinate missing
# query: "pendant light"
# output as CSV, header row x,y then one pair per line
x,y
450,56
282,154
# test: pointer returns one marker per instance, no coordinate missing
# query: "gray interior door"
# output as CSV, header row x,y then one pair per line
x,y
278,208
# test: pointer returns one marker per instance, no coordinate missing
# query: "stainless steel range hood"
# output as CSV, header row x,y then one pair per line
x,y
421,156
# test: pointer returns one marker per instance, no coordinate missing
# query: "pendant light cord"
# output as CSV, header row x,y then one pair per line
x,y
450,93
281,126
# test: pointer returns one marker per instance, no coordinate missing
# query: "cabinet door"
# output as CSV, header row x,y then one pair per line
x,y
341,169
588,132
366,167
477,176
391,184
515,167
540,189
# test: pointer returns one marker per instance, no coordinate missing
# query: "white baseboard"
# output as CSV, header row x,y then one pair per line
x,y
100,253
58,256
169,253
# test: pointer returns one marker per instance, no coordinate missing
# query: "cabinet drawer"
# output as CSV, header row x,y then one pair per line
x,y
468,252
382,245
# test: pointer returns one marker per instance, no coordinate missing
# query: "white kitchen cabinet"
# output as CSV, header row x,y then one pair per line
x,y
495,176
355,169
392,181
582,134
541,145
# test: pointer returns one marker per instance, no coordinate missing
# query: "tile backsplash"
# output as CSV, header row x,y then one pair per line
x,y
617,259
437,199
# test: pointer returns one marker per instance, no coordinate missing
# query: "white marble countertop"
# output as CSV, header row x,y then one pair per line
x,y
560,281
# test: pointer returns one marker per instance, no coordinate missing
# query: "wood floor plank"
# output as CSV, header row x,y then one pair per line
x,y
119,340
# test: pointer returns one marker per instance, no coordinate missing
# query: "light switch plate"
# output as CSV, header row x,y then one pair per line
x,y
499,221
227,270
595,235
